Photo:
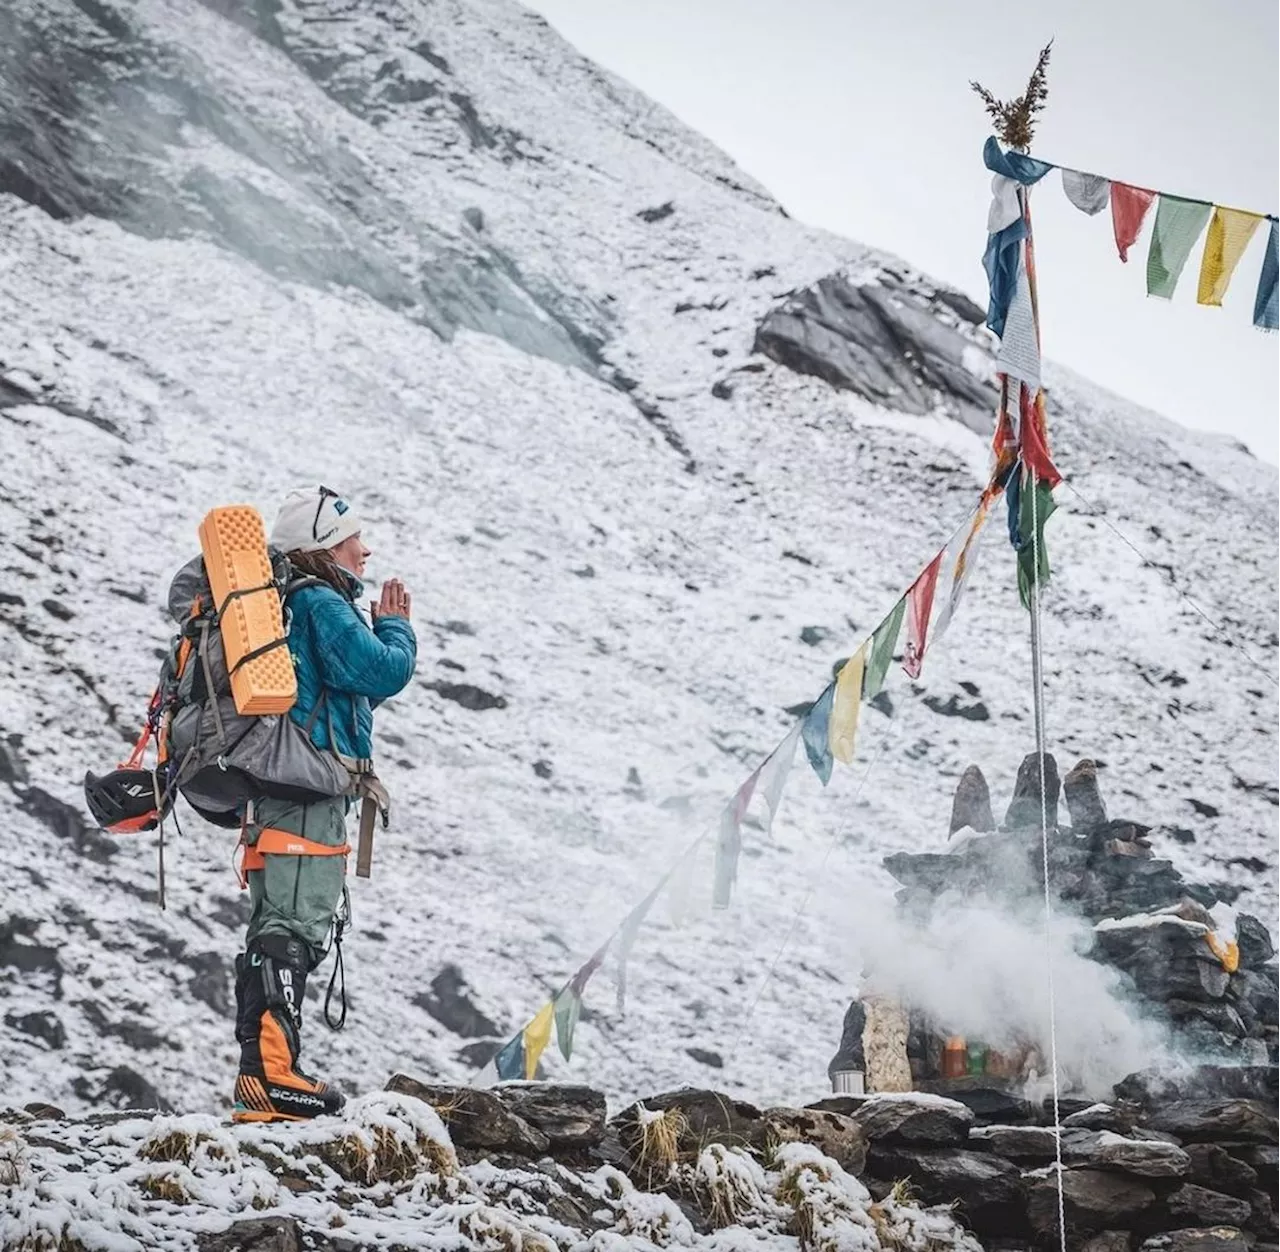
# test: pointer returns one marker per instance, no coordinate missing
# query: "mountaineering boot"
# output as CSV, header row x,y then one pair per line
x,y
271,978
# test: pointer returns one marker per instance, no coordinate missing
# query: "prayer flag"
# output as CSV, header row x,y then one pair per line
x,y
843,732
1129,207
568,1007
1005,208
510,1061
919,607
1033,438
815,734
1001,264
1265,303
773,773
537,1034
961,566
1090,193
1229,235
1036,496
1178,226
883,643
627,933
729,842
1010,163
1019,355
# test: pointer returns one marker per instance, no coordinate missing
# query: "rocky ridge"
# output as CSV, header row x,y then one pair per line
x,y
1164,1166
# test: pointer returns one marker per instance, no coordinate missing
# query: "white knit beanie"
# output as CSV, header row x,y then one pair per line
x,y
313,518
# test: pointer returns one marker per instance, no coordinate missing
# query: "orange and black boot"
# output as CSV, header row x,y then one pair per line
x,y
270,981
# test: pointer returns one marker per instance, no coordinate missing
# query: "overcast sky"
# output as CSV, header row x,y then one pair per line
x,y
857,115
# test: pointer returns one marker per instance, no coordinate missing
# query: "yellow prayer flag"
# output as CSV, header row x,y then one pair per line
x,y
537,1034
842,729
1229,235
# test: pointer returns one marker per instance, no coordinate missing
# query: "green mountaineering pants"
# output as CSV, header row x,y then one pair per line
x,y
297,895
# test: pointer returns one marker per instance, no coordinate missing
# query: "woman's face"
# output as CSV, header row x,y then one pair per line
x,y
351,554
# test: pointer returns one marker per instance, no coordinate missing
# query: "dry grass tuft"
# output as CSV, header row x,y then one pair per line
x,y
164,1186
725,1183
1015,120
659,1147
493,1231
389,1158
795,1190
12,1158
174,1145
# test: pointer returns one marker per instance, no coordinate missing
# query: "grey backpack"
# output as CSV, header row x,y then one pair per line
x,y
218,758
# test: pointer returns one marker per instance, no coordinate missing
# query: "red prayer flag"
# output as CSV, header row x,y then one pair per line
x,y
1129,207
1035,448
919,607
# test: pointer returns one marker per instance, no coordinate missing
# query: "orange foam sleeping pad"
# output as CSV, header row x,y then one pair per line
x,y
234,543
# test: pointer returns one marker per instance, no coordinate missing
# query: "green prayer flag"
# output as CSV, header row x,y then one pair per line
x,y
883,643
568,1007
1044,504
1178,226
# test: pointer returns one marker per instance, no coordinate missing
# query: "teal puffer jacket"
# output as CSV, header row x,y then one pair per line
x,y
336,654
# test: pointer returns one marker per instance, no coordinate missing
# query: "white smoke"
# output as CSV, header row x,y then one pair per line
x,y
983,973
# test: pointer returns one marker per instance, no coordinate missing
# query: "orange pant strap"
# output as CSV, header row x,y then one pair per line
x,y
280,843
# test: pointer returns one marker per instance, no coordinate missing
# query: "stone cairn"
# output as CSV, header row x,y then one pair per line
x,y
1168,1164
1217,997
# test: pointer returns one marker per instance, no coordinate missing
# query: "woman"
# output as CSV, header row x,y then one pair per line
x,y
344,668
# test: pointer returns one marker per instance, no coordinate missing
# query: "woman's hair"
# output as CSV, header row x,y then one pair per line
x,y
321,564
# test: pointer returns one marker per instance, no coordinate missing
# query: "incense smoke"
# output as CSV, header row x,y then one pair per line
x,y
983,973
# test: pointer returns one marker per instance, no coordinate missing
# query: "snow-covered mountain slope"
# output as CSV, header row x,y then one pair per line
x,y
432,256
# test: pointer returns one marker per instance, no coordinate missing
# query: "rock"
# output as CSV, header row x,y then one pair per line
x,y
989,1105
709,1117
1253,940
263,1234
972,803
41,1112
849,1054
1215,1239
1200,1082
1101,1117
1262,1157
1025,808
952,707
1108,1241
211,981
124,1088
1084,800
881,341
1221,1017
1015,1143
476,699
1214,1167
42,1024
1093,1200
658,213
1264,1222
1207,1208
705,1056
570,1116
989,1189
449,1002
475,1118
1147,1158
1257,994
834,1134
1211,1120
914,1119
67,822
